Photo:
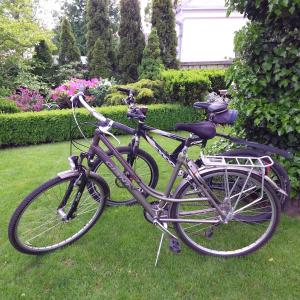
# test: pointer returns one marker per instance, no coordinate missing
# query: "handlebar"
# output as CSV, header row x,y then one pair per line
x,y
128,91
92,111
134,112
129,100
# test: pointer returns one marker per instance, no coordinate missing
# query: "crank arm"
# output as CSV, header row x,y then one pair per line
x,y
163,229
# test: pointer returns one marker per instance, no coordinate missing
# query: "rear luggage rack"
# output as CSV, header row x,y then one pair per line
x,y
251,163
234,161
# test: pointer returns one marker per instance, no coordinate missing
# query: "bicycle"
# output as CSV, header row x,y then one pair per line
x,y
146,166
213,222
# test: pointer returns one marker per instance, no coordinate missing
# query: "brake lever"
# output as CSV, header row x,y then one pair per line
x,y
124,101
105,130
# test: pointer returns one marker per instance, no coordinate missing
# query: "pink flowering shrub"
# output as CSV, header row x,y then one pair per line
x,y
61,95
28,100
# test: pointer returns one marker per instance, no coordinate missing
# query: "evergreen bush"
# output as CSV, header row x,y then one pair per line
x,y
185,87
8,106
99,61
146,91
151,65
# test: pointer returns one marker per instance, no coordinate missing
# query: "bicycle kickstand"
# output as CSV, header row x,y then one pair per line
x,y
164,228
159,248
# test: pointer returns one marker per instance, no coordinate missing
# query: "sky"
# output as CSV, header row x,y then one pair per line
x,y
48,6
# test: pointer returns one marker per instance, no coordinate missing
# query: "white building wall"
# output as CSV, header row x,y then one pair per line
x,y
206,33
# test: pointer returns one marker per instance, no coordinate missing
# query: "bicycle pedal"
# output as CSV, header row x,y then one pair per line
x,y
208,233
174,245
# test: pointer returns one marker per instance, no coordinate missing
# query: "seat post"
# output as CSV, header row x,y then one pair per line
x,y
188,141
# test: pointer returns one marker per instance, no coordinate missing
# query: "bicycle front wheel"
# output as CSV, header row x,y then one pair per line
x,y
38,226
243,232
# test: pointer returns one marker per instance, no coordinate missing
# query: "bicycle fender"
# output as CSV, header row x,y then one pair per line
x,y
262,147
66,174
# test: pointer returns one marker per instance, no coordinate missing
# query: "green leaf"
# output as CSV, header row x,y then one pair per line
x,y
267,66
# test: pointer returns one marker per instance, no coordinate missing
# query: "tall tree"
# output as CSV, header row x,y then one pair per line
x,y
74,11
151,65
148,14
19,32
99,61
68,50
42,53
114,15
99,27
132,40
42,61
163,18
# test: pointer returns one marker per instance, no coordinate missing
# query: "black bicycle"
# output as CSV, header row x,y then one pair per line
x,y
220,222
146,167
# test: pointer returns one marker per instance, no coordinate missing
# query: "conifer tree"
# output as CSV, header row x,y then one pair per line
x,y
99,27
99,61
42,61
132,40
163,18
151,65
68,50
43,53
75,12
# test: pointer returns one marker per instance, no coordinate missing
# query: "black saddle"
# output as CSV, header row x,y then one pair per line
x,y
215,107
204,130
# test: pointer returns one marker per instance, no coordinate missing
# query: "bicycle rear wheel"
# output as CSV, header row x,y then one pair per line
x,y
37,226
142,163
241,234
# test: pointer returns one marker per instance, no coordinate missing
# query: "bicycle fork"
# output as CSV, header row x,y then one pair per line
x,y
66,216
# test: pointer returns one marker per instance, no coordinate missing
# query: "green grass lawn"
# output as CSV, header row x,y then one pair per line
x,y
115,260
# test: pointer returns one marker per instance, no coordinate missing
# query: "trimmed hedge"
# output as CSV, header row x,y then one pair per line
x,y
184,86
188,86
216,77
53,126
8,106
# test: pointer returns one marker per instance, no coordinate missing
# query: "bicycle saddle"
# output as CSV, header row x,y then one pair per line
x,y
211,107
204,130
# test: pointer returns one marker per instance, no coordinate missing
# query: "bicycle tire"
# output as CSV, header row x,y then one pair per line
x,y
126,198
203,240
282,177
14,231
